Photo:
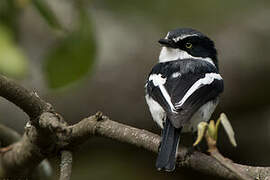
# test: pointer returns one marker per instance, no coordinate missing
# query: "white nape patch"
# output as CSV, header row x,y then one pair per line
x,y
176,75
172,54
208,79
183,37
159,81
156,110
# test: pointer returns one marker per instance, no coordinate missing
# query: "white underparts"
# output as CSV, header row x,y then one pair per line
x,y
202,114
159,81
156,110
208,79
172,54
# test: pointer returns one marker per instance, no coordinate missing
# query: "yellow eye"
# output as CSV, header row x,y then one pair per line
x,y
188,45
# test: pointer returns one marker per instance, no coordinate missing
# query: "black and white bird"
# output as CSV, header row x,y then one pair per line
x,y
182,89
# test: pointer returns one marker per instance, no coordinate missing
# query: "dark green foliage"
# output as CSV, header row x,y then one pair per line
x,y
46,13
9,13
67,61
73,57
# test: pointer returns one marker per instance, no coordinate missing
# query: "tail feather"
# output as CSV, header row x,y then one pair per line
x,y
167,153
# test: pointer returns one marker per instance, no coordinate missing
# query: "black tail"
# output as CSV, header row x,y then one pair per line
x,y
168,147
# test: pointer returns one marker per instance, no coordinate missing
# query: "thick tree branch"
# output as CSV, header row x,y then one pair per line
x,y
9,136
28,101
36,144
38,140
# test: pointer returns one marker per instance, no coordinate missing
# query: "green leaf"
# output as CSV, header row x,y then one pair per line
x,y
72,59
202,128
47,13
212,131
228,128
13,62
8,14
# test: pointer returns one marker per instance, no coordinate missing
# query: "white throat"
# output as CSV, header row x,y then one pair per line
x,y
171,54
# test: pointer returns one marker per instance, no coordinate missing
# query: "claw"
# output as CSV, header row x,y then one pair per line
x,y
202,127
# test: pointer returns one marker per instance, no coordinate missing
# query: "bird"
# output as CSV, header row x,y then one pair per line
x,y
182,89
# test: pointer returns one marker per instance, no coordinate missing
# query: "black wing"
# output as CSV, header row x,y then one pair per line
x,y
189,84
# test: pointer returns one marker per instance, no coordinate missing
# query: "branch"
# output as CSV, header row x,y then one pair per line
x,y
214,152
36,144
65,165
227,164
9,136
28,101
47,134
102,126
38,141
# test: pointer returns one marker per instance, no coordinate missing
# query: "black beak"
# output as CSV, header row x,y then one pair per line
x,y
167,43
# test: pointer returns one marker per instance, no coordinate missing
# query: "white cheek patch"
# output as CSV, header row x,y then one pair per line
x,y
169,54
208,79
159,81
172,54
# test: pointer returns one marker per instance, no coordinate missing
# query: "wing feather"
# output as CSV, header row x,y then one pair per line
x,y
183,87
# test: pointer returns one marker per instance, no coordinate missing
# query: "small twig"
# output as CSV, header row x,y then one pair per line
x,y
65,165
226,163
214,152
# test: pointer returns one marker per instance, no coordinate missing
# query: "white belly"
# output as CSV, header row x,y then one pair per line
x,y
156,110
203,114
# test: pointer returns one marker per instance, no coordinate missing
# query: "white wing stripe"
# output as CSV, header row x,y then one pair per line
x,y
159,81
167,97
208,79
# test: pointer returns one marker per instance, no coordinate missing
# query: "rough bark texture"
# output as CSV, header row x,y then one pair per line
x,y
47,134
28,101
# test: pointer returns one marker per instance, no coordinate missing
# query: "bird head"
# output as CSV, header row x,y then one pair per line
x,y
187,43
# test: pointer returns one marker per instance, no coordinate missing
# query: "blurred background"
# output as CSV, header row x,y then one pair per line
x,y
85,56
